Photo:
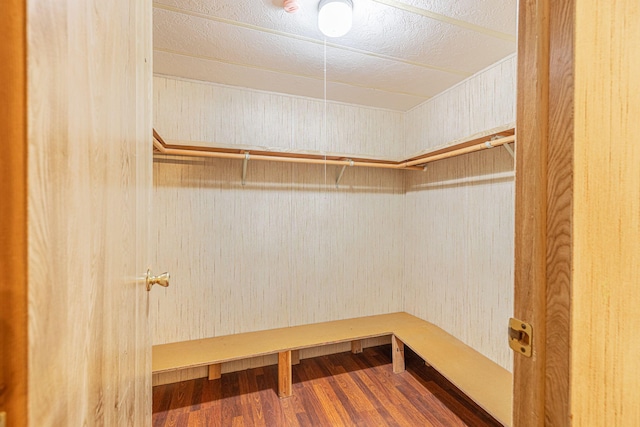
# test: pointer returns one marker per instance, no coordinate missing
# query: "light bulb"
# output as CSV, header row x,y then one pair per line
x,y
335,17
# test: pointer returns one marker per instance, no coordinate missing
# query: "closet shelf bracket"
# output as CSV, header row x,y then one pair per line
x,y
342,172
244,167
506,145
509,150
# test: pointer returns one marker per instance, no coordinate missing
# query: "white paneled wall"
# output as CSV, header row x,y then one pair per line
x,y
459,233
284,250
199,113
482,102
459,216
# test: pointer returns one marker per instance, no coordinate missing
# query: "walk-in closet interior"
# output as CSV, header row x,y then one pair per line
x,y
355,230
306,236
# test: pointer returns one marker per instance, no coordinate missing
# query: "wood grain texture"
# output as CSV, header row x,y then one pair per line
x,y
295,357
257,362
215,371
206,351
462,365
284,374
13,214
89,105
273,155
559,217
484,101
605,366
532,131
286,249
217,114
397,354
466,145
342,389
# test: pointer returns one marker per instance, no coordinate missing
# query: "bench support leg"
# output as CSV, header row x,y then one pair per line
x,y
295,357
215,371
356,346
284,374
397,354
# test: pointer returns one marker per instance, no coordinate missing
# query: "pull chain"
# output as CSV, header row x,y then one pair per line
x,y
324,115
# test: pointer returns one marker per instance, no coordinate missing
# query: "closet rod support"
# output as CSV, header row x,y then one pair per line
x,y
342,172
509,150
244,167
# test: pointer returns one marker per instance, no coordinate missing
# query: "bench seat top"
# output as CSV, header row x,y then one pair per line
x,y
484,381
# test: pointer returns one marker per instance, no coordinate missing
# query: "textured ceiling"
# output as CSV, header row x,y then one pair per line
x,y
398,53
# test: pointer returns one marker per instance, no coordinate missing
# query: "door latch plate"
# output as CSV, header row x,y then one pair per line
x,y
520,337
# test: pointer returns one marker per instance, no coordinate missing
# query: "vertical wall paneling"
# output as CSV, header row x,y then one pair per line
x,y
199,113
459,249
285,249
89,164
13,215
459,216
481,102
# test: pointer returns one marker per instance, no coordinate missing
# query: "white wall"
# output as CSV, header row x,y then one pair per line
x,y
208,114
459,216
459,234
286,249
484,101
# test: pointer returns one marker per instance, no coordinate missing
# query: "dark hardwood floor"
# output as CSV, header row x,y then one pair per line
x,y
337,390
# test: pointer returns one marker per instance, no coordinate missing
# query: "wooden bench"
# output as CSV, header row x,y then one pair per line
x,y
485,382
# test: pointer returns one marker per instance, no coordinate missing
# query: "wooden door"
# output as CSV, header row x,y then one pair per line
x,y
88,176
578,213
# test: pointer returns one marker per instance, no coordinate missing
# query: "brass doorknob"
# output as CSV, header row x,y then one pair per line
x,y
162,280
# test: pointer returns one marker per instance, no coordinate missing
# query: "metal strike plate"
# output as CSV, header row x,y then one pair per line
x,y
3,419
520,337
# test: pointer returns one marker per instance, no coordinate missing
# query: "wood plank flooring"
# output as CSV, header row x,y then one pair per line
x,y
337,390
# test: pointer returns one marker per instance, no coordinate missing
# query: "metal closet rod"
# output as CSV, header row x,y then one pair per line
x,y
318,160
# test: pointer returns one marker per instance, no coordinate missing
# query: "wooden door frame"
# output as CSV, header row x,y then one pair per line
x,y
543,205
13,215
544,197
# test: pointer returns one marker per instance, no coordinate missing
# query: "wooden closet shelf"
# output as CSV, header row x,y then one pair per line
x,y
414,163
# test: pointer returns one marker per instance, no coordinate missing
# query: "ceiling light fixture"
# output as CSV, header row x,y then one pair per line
x,y
334,17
